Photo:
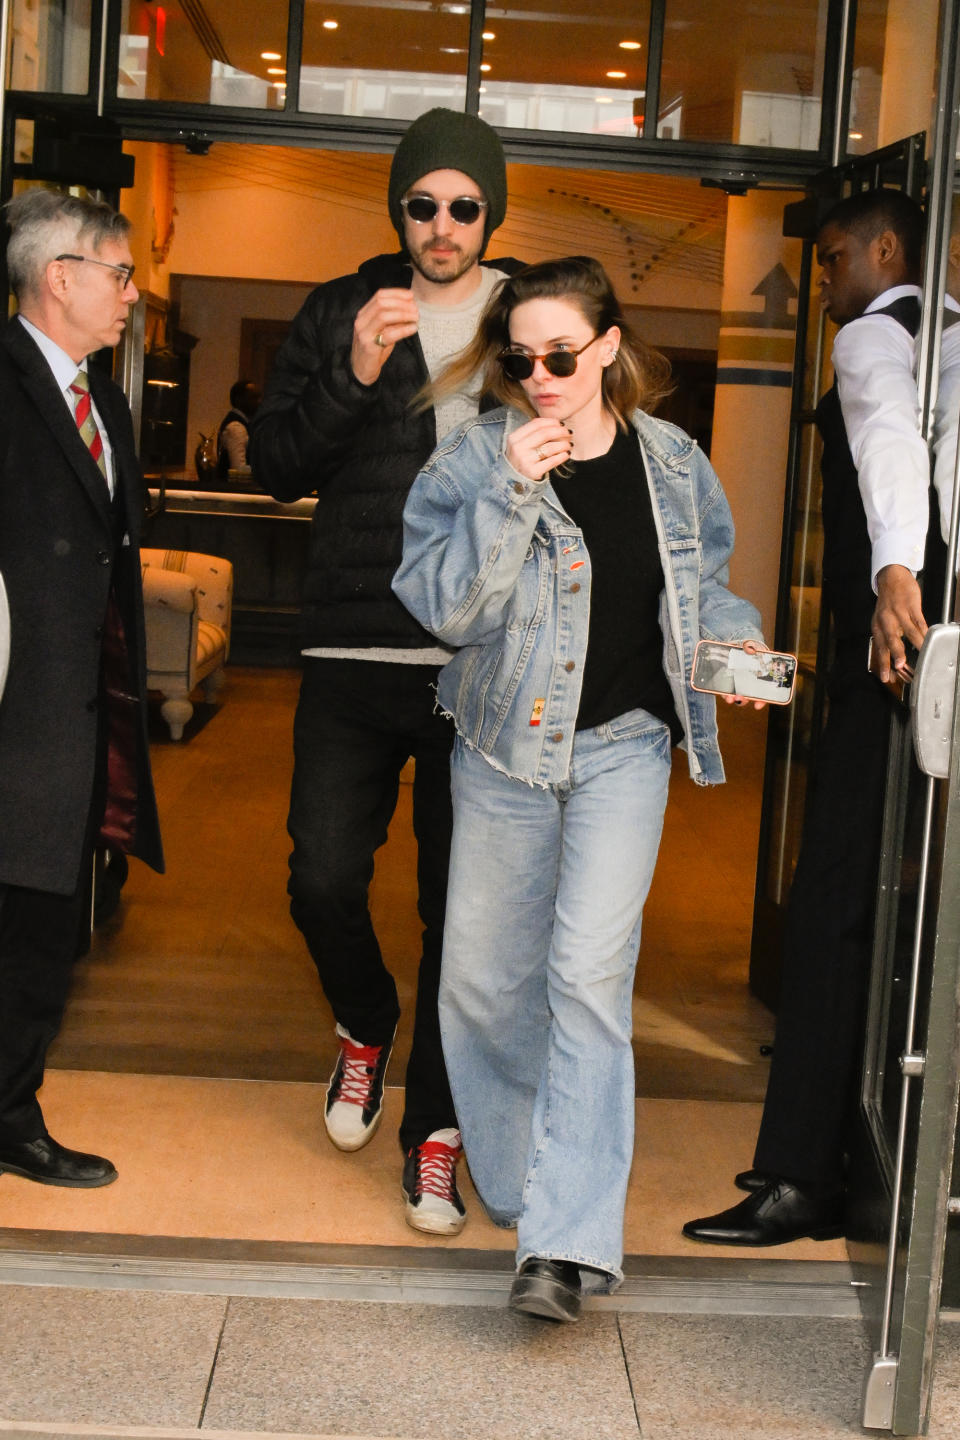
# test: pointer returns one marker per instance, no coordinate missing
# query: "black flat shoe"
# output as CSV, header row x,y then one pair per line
x,y
48,1163
548,1288
752,1180
778,1213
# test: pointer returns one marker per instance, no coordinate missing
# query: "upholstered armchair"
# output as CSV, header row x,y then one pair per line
x,y
187,600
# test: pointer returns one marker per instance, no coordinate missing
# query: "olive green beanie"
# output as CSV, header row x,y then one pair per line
x,y
450,140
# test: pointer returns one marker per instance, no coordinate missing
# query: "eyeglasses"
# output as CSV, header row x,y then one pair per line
x,y
125,271
423,208
518,365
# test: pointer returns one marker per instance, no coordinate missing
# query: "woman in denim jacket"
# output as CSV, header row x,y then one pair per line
x,y
575,594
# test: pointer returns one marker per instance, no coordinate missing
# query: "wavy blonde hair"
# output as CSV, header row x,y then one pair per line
x,y
636,380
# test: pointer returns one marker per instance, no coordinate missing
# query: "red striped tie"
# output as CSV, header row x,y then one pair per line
x,y
86,424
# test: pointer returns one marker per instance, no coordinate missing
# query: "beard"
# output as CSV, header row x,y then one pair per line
x,y
443,271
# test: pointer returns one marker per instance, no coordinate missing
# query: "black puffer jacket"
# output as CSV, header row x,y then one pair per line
x,y
360,448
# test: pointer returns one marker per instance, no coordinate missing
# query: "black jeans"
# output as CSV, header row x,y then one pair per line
x,y
357,723
828,941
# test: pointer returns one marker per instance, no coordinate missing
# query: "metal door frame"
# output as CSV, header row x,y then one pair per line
x,y
898,1385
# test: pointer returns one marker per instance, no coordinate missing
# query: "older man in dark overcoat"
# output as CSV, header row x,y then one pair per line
x,y
74,759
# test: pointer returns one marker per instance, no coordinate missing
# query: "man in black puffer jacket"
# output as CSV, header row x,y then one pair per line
x,y
338,418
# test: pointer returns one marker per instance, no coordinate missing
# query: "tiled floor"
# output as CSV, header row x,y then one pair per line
x,y
92,1363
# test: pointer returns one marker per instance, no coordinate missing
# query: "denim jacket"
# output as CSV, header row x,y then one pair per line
x,y
493,564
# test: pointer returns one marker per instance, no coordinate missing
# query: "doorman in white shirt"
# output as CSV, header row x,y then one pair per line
x,y
876,478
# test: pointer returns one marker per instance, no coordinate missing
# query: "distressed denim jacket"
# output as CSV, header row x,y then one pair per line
x,y
493,565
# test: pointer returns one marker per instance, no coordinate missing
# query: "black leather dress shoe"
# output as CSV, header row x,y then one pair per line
x,y
548,1288
778,1213
48,1163
751,1180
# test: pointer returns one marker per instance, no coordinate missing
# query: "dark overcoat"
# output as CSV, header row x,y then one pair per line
x,y
64,551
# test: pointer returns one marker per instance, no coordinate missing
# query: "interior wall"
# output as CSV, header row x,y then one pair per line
x,y
908,86
308,215
272,235
212,309
248,230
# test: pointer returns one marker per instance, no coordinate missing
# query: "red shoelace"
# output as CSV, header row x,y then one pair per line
x,y
436,1167
359,1067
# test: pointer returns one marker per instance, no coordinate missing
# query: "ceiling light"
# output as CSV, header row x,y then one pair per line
x,y
331,24
279,84
275,70
270,55
629,44
855,135
602,100
616,74
488,35
485,68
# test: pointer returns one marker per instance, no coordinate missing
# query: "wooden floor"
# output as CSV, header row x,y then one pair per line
x,y
197,1042
203,973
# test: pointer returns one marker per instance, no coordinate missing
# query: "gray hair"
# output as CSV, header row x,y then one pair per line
x,y
48,223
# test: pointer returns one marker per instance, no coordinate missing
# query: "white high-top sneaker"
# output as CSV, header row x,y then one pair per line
x,y
430,1184
354,1105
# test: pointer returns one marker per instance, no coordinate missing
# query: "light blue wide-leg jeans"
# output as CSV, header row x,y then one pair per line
x,y
547,887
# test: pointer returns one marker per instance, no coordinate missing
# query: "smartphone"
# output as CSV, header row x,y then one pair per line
x,y
723,669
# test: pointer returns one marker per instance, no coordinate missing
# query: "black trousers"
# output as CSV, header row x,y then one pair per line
x,y
815,1072
39,934
357,724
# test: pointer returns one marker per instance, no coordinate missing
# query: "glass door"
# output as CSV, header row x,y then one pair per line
x,y
802,624
905,1192
902,1161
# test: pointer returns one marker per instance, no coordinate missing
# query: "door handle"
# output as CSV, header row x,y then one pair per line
x,y
4,634
932,699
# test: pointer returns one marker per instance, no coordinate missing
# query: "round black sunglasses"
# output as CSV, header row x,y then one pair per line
x,y
463,211
518,365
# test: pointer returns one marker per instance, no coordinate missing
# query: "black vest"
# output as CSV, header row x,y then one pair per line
x,y
847,569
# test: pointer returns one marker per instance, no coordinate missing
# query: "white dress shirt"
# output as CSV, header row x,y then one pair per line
x,y
945,417
874,360
64,373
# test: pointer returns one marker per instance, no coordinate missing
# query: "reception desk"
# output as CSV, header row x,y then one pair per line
x,y
265,541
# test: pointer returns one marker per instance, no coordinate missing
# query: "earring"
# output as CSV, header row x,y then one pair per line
x,y
613,355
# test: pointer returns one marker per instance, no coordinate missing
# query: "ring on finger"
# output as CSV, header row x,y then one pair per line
x,y
541,453
379,340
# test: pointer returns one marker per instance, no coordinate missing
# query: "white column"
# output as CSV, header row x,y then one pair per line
x,y
755,365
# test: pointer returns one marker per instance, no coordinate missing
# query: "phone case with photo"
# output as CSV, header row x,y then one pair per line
x,y
720,668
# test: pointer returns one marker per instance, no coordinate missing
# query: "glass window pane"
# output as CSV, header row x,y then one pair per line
x,y
387,58
223,52
894,79
867,77
50,46
751,74
565,66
